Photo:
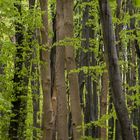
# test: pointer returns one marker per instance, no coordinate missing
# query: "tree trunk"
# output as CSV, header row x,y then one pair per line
x,y
35,85
47,122
118,46
95,100
132,46
138,65
103,102
85,57
53,63
114,71
72,77
62,124
138,61
118,26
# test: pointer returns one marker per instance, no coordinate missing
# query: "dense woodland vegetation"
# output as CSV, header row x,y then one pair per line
x,y
69,69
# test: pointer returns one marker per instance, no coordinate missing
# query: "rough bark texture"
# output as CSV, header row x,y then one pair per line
x,y
62,127
71,64
114,71
47,122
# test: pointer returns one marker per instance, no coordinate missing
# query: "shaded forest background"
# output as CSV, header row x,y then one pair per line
x,y
69,69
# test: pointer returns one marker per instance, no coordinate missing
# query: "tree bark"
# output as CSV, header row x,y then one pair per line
x,y
103,102
132,46
114,71
118,47
118,26
62,124
86,80
53,63
72,77
138,65
47,122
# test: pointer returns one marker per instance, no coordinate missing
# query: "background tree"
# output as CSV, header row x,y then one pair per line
x,y
69,69
114,71
46,75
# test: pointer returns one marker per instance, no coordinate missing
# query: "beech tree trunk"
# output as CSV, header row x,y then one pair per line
x,y
114,71
103,102
47,122
72,77
118,47
53,62
62,126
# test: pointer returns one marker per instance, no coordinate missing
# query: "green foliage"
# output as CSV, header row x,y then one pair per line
x,y
137,3
31,21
